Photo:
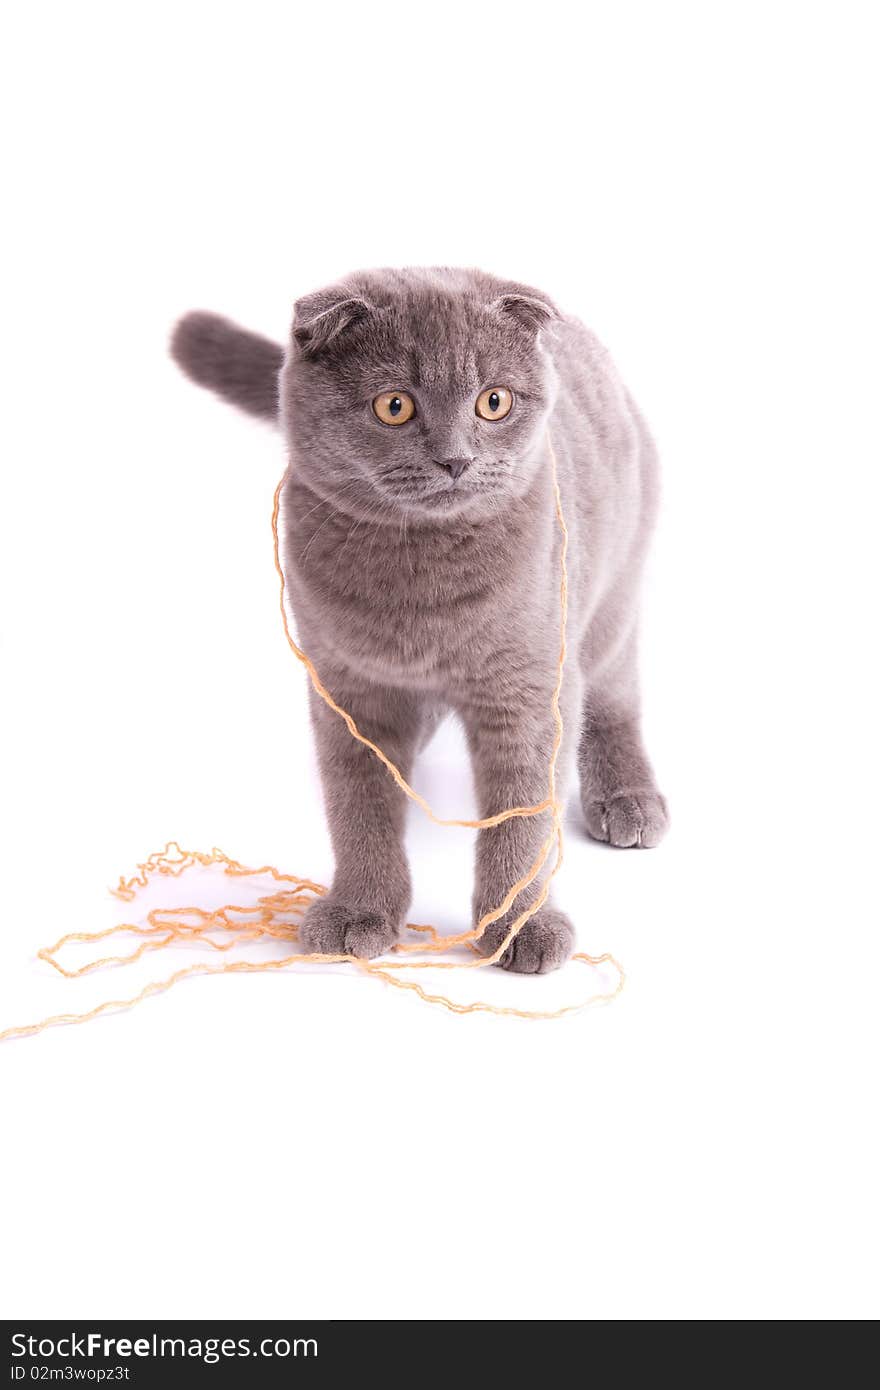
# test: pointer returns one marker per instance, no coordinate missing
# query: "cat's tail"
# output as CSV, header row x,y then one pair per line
x,y
240,366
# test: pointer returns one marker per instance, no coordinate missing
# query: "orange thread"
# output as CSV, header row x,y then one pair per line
x,y
269,918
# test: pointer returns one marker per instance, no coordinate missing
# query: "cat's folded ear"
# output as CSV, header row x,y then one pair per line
x,y
320,318
530,310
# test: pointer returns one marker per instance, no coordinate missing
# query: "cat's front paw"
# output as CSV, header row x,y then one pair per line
x,y
630,822
543,943
331,928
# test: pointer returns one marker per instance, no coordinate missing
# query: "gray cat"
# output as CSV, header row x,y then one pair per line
x,y
421,556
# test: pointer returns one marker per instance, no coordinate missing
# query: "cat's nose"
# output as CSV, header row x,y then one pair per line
x,y
455,467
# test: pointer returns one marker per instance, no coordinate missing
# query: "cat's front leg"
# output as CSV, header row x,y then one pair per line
x,y
510,746
363,912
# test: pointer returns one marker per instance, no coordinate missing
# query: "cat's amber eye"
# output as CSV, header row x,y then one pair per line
x,y
394,407
494,403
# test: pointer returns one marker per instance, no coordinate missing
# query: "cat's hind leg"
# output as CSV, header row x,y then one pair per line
x,y
621,802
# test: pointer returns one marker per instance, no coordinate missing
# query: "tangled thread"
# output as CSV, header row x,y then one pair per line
x,y
275,916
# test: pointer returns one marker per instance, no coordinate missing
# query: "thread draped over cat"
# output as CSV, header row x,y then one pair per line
x,y
469,496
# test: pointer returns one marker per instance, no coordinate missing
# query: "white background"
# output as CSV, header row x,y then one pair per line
x,y
697,182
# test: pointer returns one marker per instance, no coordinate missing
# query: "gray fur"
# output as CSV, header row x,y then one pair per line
x,y
416,592
241,366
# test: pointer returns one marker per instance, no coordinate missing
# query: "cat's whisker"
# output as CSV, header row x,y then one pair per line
x,y
324,502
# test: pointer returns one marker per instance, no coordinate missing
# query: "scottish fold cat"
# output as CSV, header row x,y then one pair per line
x,y
421,560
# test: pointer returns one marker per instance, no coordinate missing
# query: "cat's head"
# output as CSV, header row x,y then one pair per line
x,y
424,392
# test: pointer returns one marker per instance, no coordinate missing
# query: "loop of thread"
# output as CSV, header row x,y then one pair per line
x,y
275,916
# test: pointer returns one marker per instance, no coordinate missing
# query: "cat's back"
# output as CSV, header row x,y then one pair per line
x,y
607,457
592,388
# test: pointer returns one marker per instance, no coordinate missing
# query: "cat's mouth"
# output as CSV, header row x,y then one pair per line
x,y
451,497
438,495
448,499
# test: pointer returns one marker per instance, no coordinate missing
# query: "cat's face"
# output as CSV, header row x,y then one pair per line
x,y
412,392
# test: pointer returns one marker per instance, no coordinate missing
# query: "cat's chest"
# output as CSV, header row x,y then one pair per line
x,y
411,605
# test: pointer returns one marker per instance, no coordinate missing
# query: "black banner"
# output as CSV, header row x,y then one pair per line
x,y
115,1354
118,1354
